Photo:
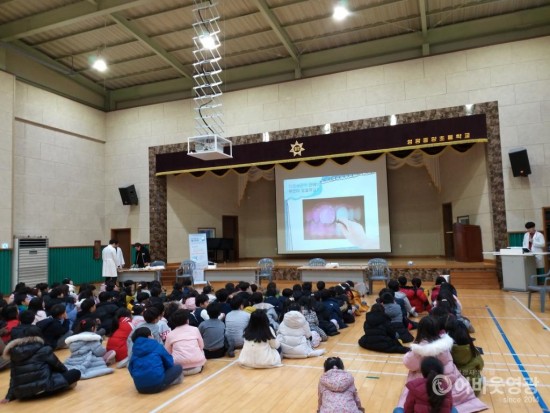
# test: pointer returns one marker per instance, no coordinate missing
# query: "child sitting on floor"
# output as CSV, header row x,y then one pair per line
x,y
337,391
35,370
151,367
87,353
260,345
185,344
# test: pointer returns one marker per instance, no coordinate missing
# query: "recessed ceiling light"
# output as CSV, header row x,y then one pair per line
x,y
340,12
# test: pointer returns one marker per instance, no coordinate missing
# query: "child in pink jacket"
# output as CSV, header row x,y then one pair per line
x,y
337,391
429,343
185,344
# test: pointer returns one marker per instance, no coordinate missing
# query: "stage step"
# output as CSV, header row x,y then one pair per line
x,y
475,279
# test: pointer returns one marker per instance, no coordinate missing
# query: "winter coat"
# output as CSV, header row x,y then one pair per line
x,y
105,311
52,330
418,400
333,308
393,310
185,345
262,355
464,399
380,335
294,334
10,325
337,393
87,355
313,320
419,301
21,330
119,340
148,363
271,314
34,368
470,366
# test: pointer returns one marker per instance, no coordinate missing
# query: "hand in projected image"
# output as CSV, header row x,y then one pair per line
x,y
354,232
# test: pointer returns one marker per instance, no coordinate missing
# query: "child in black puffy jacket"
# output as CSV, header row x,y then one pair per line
x,y
35,369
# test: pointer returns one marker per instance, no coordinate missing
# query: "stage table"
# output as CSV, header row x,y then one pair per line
x,y
139,274
355,273
517,267
227,274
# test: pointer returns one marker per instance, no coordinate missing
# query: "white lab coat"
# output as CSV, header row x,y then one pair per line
x,y
119,258
109,262
538,246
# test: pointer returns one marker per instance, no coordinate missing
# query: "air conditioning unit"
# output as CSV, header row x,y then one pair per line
x,y
30,260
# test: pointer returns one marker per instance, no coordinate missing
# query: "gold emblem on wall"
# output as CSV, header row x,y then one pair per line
x,y
296,148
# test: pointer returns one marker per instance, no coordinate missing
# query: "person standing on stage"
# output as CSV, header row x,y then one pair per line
x,y
119,257
534,241
143,258
109,260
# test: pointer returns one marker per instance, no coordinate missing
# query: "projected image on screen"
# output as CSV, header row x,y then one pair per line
x,y
325,218
333,208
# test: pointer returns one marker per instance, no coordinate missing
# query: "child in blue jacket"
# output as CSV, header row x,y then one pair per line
x,y
152,368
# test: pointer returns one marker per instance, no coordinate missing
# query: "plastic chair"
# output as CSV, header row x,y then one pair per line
x,y
186,270
158,272
265,270
317,262
377,270
541,289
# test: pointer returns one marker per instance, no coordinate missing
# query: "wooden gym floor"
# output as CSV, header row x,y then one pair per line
x,y
516,342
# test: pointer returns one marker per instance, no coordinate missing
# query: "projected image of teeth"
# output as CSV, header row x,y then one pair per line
x,y
324,218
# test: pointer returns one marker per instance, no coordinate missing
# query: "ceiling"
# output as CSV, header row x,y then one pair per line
x,y
149,43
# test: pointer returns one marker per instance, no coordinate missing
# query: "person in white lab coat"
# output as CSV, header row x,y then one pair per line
x,y
534,242
119,257
109,260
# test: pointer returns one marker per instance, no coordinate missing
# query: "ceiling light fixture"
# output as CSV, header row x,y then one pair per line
x,y
340,12
99,64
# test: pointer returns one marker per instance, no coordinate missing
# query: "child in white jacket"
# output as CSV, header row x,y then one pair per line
x,y
295,335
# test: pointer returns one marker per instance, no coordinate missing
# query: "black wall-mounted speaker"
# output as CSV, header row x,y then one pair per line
x,y
128,195
520,162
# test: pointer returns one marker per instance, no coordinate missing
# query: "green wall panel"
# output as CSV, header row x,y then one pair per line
x,y
515,239
5,271
76,263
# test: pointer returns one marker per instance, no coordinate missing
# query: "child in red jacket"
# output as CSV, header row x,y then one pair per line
x,y
429,393
417,297
122,328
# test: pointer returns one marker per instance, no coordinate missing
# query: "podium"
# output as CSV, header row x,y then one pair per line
x,y
467,242
517,267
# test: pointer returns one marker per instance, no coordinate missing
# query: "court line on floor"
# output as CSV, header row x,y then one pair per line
x,y
193,387
522,370
544,325
516,354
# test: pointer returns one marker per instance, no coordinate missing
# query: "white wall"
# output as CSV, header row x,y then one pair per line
x,y
7,91
467,188
58,164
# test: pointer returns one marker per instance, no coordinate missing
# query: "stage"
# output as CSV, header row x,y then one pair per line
x,y
463,274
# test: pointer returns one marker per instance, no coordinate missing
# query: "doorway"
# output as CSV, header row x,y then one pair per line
x,y
123,235
448,230
230,230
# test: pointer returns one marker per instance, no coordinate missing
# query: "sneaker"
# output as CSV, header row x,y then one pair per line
x,y
123,363
231,354
178,380
317,353
110,357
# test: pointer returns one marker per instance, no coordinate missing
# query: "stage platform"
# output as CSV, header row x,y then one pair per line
x,y
463,274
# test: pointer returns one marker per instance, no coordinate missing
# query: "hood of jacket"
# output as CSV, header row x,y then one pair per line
x,y
376,319
144,346
85,337
264,306
462,354
22,348
337,380
425,349
294,319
